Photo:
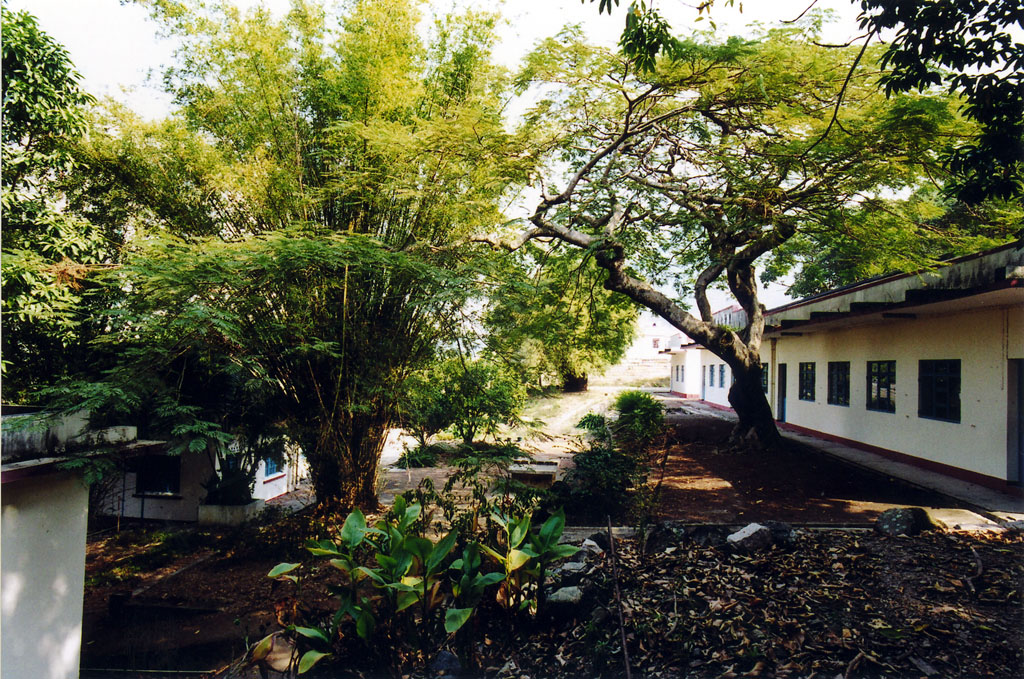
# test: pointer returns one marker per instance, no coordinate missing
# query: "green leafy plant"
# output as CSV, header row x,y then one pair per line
x,y
525,552
420,456
641,417
393,585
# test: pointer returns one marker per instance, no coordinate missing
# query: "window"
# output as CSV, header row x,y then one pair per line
x,y
839,383
764,377
711,375
271,466
938,390
721,375
682,373
158,475
806,391
654,343
882,386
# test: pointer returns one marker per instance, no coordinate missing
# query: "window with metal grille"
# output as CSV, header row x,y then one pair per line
x,y
839,383
938,390
721,375
882,386
271,467
764,377
158,475
807,381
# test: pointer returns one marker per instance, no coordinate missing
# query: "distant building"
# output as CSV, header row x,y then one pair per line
x,y
926,367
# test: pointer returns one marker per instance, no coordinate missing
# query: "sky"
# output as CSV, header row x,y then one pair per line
x,y
118,51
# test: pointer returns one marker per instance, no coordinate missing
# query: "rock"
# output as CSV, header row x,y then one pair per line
x,y
707,536
903,521
601,540
591,547
569,573
782,532
751,538
599,615
1014,526
566,596
446,664
660,537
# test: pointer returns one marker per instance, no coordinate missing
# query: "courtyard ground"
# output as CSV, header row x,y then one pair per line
x,y
840,601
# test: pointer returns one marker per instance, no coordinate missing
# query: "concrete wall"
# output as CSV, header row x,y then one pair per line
x,y
982,340
195,471
271,486
42,576
713,391
687,365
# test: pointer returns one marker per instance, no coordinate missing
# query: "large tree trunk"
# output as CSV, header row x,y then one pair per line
x,y
573,383
343,462
756,425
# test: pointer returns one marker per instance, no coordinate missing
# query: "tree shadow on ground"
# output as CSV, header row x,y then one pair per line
x,y
705,482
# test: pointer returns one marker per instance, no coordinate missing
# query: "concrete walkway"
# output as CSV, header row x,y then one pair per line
x,y
992,505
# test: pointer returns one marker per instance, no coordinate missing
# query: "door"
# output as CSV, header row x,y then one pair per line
x,y
781,377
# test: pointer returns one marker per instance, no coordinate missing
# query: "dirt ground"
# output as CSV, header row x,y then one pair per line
x,y
204,596
798,484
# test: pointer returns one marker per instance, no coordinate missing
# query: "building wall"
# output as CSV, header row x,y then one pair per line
x,y
711,389
184,506
42,576
685,372
983,341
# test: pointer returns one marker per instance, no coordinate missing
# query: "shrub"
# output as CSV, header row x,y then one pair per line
x,y
420,456
599,484
641,417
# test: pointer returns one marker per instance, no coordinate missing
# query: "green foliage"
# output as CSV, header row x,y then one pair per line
x,y
423,413
46,251
609,476
43,106
394,584
551,318
482,473
641,417
688,175
524,551
420,456
478,397
970,46
301,215
599,484
594,423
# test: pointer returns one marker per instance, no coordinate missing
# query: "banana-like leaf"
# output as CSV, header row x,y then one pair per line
x,y
454,618
310,658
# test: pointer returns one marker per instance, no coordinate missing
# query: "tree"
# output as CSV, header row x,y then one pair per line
x,y
478,397
919,231
298,218
45,250
719,157
968,46
552,316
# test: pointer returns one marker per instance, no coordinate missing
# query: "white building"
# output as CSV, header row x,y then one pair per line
x,y
171,487
926,368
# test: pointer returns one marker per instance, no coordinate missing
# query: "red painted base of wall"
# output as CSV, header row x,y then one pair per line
x,y
718,406
946,470
680,394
